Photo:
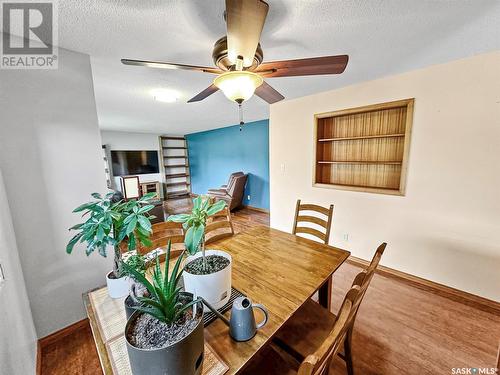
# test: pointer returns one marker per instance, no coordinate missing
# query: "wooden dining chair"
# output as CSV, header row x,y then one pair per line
x,y
219,226
311,324
274,361
161,234
325,221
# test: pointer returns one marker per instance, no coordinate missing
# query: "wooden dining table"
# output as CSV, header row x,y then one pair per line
x,y
271,267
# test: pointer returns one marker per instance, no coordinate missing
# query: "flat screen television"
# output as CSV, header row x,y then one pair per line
x,y
134,162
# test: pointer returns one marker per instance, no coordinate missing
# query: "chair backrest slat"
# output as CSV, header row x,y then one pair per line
x,y
312,219
316,363
325,224
219,226
311,231
315,207
161,234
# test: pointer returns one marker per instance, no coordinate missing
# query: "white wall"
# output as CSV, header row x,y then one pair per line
x,y
133,141
447,227
18,337
50,154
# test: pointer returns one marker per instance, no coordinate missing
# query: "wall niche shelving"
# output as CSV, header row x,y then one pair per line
x,y
365,148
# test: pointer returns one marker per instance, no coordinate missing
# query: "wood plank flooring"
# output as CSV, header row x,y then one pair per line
x,y
399,329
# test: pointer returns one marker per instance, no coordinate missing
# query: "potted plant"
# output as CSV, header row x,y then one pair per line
x,y
110,220
165,334
138,263
207,273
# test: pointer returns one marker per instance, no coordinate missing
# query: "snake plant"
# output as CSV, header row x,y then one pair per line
x,y
164,302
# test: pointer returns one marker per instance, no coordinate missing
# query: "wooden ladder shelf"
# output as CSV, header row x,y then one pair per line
x,y
174,152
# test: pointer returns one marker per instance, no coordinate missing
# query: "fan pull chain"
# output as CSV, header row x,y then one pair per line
x,y
240,109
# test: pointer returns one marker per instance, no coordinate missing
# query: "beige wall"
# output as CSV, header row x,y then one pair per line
x,y
447,227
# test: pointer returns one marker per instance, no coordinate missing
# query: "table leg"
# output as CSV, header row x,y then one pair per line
x,y
325,294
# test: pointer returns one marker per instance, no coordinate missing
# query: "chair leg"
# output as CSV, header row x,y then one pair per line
x,y
348,352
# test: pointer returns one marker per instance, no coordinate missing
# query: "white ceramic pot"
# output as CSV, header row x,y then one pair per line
x,y
117,288
214,288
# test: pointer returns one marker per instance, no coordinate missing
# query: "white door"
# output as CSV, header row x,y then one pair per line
x,y
17,332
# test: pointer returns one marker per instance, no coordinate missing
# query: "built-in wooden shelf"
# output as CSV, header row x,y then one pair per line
x,y
359,162
177,166
361,137
174,148
176,157
365,148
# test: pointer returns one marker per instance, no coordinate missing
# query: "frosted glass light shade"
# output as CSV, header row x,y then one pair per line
x,y
238,86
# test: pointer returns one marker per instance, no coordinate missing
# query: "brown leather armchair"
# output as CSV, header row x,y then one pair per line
x,y
233,193
224,188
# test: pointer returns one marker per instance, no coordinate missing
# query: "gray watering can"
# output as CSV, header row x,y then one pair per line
x,y
242,325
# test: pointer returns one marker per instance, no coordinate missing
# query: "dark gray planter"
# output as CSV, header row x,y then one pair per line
x,y
185,357
129,304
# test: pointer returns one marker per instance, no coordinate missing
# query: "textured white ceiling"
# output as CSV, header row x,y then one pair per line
x,y
381,38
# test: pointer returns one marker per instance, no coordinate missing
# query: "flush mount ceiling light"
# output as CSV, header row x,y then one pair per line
x,y
238,86
165,95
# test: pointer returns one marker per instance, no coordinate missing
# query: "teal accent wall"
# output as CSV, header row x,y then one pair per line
x,y
215,154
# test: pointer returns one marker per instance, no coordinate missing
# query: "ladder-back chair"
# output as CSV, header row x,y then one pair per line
x,y
324,222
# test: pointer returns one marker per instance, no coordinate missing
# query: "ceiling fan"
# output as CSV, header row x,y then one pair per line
x,y
239,58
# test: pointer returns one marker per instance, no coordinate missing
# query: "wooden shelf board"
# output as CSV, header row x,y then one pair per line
x,y
360,162
362,188
177,166
177,194
361,137
174,148
175,157
174,138
177,175
178,183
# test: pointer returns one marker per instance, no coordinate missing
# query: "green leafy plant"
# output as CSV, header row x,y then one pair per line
x,y
164,303
136,262
139,264
195,223
111,221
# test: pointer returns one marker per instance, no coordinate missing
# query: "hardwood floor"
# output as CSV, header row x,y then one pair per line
x,y
73,354
399,329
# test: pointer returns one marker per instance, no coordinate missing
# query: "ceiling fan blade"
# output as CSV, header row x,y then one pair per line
x,y
164,65
268,93
202,95
304,67
245,20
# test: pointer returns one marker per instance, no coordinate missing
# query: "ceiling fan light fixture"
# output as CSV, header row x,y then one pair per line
x,y
238,86
165,95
